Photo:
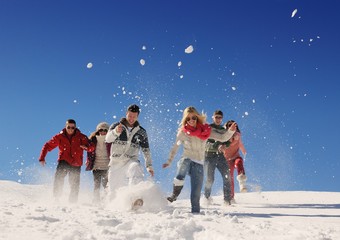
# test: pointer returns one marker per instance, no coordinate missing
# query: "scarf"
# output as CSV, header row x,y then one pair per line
x,y
201,131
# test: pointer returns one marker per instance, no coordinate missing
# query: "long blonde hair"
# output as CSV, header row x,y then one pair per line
x,y
201,118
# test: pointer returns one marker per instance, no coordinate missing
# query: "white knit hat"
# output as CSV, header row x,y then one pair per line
x,y
103,125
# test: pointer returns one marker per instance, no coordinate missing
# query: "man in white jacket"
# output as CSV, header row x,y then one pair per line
x,y
127,138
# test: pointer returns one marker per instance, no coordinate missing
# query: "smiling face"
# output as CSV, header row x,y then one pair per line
x,y
70,128
191,119
131,117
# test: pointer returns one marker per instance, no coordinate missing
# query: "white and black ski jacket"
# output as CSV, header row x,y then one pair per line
x,y
126,145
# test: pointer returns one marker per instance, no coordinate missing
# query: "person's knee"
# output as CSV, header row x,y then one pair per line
x,y
135,171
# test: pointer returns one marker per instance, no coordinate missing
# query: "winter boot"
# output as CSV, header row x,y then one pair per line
x,y
176,191
242,182
137,204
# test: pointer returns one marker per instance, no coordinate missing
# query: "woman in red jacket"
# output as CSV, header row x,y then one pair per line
x,y
71,143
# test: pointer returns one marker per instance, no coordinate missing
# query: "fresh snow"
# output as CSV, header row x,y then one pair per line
x,y
89,65
294,12
189,49
28,212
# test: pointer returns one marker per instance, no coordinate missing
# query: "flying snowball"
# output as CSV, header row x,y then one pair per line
x,y
144,48
89,65
181,77
142,62
189,49
179,64
233,88
294,12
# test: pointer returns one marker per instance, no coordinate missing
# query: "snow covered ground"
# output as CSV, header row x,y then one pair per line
x,y
28,212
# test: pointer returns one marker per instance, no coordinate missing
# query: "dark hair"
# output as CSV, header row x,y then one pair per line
x,y
133,108
71,121
218,112
228,124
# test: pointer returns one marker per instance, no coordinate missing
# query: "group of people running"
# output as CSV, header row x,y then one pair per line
x,y
113,156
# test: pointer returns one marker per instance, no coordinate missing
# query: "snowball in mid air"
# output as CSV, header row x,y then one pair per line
x,y
189,49
294,12
179,64
142,62
89,65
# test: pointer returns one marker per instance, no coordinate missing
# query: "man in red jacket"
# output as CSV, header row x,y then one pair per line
x,y
71,143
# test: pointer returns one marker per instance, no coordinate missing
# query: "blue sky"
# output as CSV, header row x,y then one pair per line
x,y
276,75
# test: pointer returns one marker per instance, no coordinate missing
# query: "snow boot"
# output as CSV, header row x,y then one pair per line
x,y
226,203
242,182
137,204
176,191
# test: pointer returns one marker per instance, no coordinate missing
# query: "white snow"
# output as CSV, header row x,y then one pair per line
x,y
294,12
89,65
179,64
189,49
28,212
142,62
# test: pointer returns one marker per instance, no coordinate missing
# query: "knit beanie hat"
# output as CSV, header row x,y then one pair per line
x,y
103,125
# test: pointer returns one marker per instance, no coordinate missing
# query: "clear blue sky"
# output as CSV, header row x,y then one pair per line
x,y
276,75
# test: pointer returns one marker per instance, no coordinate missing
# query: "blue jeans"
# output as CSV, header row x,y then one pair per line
x,y
195,171
213,161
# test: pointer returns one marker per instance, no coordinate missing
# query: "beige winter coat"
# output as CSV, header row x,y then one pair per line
x,y
194,147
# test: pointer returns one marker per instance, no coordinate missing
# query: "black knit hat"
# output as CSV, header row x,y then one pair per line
x,y
133,108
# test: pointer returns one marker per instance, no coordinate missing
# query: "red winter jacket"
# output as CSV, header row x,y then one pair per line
x,y
69,147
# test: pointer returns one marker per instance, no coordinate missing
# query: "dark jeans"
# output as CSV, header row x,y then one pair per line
x,y
213,161
63,169
99,177
186,166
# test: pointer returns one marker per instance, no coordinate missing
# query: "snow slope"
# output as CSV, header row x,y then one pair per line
x,y
28,212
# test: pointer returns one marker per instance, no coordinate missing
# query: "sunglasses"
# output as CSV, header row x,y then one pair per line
x,y
102,130
194,118
218,117
68,127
